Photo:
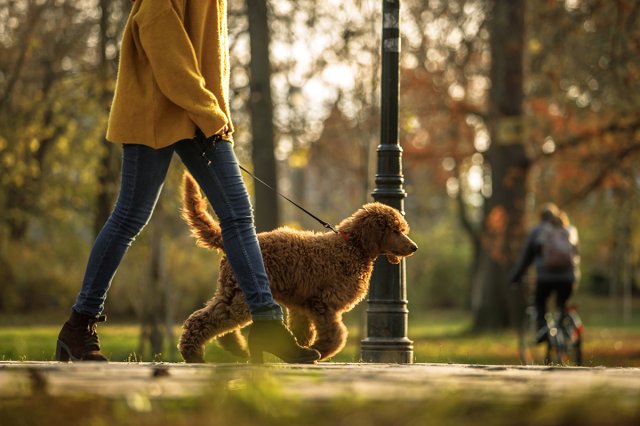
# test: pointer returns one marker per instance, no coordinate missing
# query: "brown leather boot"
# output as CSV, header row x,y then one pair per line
x,y
78,339
274,337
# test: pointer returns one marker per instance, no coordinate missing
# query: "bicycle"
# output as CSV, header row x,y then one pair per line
x,y
563,334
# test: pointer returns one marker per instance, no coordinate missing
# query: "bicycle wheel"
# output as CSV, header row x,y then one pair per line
x,y
575,331
570,338
577,352
557,352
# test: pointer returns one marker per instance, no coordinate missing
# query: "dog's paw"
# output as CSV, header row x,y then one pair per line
x,y
193,360
192,357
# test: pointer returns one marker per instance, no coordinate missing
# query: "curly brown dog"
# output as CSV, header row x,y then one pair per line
x,y
316,276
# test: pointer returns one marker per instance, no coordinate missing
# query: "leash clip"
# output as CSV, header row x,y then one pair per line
x,y
328,226
204,155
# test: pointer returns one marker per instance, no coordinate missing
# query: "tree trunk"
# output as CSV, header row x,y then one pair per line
x,y
108,169
261,108
154,306
622,253
502,231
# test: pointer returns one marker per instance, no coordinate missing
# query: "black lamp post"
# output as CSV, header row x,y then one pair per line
x,y
387,313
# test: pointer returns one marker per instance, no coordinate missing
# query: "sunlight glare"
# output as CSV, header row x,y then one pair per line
x,y
457,92
340,75
571,5
549,145
475,178
453,187
448,163
477,159
482,140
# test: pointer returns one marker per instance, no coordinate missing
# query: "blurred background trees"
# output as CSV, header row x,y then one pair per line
x,y
485,143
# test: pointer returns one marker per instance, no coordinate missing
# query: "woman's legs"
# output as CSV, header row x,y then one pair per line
x,y
219,177
542,292
142,176
143,172
563,293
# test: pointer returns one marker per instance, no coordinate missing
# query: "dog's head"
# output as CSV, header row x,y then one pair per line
x,y
379,229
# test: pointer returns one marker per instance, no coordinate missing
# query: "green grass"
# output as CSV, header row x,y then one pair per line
x,y
439,337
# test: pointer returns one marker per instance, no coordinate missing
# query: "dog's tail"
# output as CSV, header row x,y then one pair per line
x,y
194,212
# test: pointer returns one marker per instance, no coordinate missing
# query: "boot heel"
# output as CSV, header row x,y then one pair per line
x,y
78,339
62,354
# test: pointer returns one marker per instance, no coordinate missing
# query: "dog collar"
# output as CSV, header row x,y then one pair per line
x,y
344,235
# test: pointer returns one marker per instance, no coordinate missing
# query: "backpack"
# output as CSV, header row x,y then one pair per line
x,y
557,250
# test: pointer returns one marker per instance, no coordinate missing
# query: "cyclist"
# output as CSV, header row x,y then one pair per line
x,y
557,267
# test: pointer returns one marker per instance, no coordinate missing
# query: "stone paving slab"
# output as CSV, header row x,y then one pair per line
x,y
316,382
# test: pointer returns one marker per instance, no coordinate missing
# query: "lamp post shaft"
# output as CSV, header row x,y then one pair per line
x,y
387,314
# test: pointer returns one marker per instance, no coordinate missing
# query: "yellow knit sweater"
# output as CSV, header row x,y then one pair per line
x,y
173,75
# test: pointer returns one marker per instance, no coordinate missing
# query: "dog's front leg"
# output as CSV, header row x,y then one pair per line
x,y
331,334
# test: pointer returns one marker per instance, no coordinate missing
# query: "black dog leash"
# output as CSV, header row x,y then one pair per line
x,y
202,139
322,222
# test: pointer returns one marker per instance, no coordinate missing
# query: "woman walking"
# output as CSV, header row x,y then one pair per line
x,y
172,95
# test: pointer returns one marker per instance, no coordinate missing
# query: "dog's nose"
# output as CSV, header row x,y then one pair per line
x,y
414,247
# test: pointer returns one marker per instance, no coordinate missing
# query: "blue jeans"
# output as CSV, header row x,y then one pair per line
x,y
143,173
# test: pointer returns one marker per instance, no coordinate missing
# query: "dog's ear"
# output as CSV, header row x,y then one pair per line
x,y
365,230
372,230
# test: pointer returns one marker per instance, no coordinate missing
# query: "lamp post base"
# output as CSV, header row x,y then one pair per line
x,y
387,350
387,316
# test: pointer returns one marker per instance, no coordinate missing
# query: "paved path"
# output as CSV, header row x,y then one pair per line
x,y
319,382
